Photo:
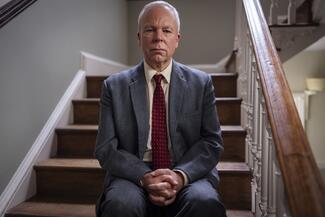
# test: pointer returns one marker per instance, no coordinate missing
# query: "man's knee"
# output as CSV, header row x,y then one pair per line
x,y
203,199
123,207
125,200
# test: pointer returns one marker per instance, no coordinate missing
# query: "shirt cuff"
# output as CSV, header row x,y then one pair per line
x,y
183,175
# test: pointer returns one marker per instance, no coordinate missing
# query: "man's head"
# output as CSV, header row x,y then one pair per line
x,y
158,33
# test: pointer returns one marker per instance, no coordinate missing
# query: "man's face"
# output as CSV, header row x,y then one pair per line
x,y
158,36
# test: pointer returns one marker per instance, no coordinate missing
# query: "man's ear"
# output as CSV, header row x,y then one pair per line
x,y
139,42
178,39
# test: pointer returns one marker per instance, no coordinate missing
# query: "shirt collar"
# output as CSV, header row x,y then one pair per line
x,y
150,72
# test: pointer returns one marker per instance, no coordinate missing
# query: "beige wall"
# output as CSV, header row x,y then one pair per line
x,y
310,64
39,56
207,29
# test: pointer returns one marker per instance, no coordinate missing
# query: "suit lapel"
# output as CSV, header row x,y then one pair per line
x,y
140,106
178,86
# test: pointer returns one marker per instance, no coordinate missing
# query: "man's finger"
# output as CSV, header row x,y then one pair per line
x,y
169,201
160,172
168,178
159,186
157,200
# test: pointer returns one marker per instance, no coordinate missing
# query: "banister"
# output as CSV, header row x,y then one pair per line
x,y
301,177
12,9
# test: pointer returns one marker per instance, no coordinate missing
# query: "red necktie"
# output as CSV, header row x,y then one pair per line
x,y
159,140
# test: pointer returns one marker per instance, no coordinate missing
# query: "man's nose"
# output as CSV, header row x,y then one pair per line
x,y
158,36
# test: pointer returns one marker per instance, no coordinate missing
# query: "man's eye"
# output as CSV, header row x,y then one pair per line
x,y
148,30
167,31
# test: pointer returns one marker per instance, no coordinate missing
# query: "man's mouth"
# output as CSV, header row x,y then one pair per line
x,y
157,50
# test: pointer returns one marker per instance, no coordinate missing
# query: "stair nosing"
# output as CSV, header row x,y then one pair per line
x,y
92,164
43,206
228,99
94,127
233,167
224,74
78,127
68,164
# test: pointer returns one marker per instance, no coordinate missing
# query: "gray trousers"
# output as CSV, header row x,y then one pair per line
x,y
123,198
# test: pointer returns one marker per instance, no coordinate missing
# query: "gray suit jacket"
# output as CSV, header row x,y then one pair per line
x,y
194,127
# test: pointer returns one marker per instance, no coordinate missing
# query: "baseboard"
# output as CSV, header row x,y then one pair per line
x,y
94,65
212,68
22,184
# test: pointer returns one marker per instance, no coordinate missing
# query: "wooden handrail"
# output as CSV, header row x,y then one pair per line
x,y
302,179
12,9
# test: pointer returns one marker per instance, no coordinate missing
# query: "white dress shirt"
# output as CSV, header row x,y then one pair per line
x,y
151,85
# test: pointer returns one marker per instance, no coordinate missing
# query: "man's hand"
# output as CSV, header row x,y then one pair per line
x,y
162,186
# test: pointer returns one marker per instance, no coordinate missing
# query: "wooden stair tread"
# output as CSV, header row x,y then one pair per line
x,y
228,99
79,127
224,128
52,209
224,167
57,209
239,213
232,128
66,163
211,73
90,100
223,74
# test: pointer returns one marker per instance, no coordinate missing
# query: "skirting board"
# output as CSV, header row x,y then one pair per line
x,y
94,65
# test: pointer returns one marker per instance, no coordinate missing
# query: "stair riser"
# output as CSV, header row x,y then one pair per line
x,y
89,184
85,112
88,112
234,144
225,86
229,112
76,144
94,86
81,145
235,190
53,182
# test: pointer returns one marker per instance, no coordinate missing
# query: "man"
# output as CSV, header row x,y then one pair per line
x,y
159,136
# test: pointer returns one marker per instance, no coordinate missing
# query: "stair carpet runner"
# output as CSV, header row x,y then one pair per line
x,y
69,184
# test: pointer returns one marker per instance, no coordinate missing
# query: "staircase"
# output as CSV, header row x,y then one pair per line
x,y
69,183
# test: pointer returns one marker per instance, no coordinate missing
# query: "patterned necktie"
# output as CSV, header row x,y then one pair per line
x,y
159,140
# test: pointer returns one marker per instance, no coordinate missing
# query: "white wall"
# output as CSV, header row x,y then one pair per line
x,y
207,29
39,56
310,64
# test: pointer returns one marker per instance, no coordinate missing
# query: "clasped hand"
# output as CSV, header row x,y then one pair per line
x,y
162,186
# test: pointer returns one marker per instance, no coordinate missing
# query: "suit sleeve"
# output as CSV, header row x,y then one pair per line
x,y
203,156
117,162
